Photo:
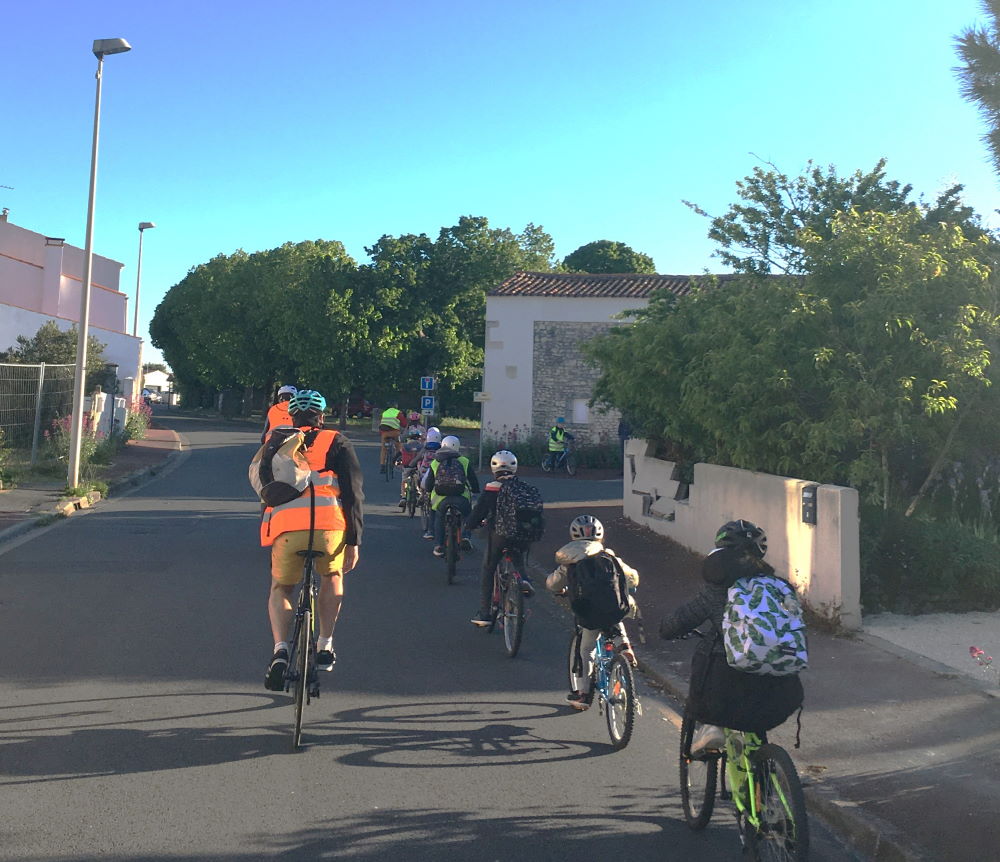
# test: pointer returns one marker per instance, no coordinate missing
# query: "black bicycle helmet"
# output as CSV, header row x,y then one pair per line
x,y
742,534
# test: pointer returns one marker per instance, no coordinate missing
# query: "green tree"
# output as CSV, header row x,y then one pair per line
x,y
761,235
862,371
56,346
979,74
153,366
607,256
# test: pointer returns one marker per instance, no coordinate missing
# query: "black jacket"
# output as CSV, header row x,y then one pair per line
x,y
721,569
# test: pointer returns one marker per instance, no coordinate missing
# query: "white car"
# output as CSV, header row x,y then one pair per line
x,y
152,395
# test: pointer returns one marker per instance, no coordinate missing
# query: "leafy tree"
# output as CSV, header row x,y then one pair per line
x,y
763,234
979,74
153,366
56,346
861,371
607,256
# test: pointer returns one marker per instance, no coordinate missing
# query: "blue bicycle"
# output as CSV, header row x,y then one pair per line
x,y
559,460
613,682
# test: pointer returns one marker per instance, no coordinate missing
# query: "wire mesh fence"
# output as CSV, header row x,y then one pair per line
x,y
31,398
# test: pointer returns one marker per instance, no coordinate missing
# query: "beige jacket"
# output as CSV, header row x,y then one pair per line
x,y
575,551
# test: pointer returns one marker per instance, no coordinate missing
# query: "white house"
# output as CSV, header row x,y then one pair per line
x,y
40,281
533,369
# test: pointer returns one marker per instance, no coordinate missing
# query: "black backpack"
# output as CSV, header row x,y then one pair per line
x,y
450,478
598,591
519,512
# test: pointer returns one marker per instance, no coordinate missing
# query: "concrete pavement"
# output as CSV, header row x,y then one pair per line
x,y
898,750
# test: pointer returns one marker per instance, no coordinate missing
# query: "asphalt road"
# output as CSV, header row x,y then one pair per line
x,y
134,723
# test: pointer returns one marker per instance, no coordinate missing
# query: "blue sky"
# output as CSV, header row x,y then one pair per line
x,y
249,124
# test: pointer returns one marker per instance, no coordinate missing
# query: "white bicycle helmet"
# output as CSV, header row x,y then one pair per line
x,y
287,390
433,435
586,527
451,444
503,461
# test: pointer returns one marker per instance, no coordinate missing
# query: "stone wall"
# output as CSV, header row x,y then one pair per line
x,y
562,379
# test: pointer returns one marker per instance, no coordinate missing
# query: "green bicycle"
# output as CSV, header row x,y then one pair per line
x,y
761,781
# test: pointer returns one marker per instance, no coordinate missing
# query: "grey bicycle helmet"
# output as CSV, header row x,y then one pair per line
x,y
586,527
742,534
503,461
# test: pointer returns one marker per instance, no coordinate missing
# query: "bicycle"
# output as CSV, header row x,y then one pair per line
x,y
424,503
557,460
770,805
412,494
507,605
388,457
301,672
452,537
613,681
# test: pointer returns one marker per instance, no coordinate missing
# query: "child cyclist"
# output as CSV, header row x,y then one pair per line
x,y
432,443
503,465
722,696
586,541
408,458
452,479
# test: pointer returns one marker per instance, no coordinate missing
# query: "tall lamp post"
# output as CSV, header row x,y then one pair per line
x,y
143,225
101,48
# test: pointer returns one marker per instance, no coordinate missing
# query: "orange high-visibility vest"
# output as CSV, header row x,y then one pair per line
x,y
295,515
277,414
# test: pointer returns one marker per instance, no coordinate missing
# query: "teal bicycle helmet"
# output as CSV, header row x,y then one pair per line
x,y
306,400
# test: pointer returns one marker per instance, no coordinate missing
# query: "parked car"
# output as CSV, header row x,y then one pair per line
x,y
357,408
152,395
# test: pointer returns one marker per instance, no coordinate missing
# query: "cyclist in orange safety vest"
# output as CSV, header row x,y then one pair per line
x,y
277,413
336,517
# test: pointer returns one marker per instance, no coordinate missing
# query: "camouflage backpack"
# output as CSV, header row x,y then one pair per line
x,y
763,631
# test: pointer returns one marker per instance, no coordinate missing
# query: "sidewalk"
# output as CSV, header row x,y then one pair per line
x,y
39,501
899,752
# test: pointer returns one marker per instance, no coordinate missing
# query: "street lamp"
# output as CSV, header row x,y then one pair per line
x,y
101,48
143,225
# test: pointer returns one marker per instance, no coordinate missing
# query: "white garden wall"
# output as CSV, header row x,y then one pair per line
x,y
821,559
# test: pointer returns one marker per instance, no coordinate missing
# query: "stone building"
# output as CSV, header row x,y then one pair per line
x,y
534,369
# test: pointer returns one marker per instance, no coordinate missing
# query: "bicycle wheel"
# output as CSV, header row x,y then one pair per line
x,y
302,646
390,463
425,512
620,705
450,545
411,499
513,614
547,463
781,807
698,777
571,463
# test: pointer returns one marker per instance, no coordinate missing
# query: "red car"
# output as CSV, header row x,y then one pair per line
x,y
357,408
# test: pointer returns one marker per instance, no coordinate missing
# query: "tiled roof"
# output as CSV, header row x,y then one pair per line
x,y
627,285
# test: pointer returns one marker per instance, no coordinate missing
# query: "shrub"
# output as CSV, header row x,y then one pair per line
x,y
137,420
911,565
530,447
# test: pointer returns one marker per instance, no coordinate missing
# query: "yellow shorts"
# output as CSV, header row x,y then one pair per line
x,y
286,564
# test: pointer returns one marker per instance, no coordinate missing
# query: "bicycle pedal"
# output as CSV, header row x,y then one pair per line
x,y
638,708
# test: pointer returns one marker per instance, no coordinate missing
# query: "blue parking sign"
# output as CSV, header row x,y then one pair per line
x,y
426,402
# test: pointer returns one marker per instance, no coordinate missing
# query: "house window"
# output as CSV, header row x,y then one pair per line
x,y
581,412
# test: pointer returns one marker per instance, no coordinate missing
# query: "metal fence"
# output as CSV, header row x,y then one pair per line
x,y
31,397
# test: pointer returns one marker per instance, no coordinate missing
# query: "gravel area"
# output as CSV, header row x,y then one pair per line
x,y
944,638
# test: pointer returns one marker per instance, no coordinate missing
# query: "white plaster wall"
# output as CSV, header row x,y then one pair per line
x,y
823,561
508,364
